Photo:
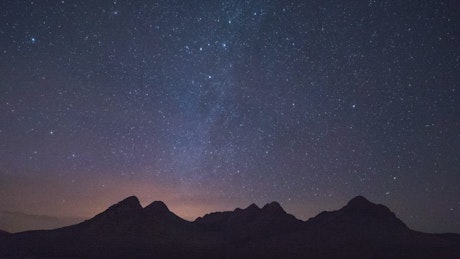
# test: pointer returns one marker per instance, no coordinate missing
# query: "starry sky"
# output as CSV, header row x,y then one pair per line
x,y
212,105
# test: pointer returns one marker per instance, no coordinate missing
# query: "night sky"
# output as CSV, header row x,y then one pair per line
x,y
213,105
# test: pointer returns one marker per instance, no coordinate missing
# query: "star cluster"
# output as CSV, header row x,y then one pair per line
x,y
209,105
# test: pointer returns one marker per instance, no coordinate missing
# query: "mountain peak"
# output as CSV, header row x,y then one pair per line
x,y
131,198
252,207
360,205
359,202
273,207
158,211
125,208
130,203
359,215
157,206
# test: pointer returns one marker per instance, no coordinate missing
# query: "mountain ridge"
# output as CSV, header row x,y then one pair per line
x,y
360,229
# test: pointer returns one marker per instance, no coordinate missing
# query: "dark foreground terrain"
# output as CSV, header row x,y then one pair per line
x,y
360,229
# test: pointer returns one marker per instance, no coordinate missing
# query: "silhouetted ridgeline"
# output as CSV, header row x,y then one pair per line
x,y
361,229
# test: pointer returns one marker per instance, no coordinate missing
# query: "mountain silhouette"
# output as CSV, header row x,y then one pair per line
x,y
360,229
252,222
359,215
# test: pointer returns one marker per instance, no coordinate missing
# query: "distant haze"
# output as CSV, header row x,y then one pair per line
x,y
18,221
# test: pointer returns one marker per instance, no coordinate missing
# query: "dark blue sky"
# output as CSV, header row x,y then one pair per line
x,y
210,105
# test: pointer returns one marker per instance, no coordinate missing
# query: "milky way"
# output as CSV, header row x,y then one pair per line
x,y
210,105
